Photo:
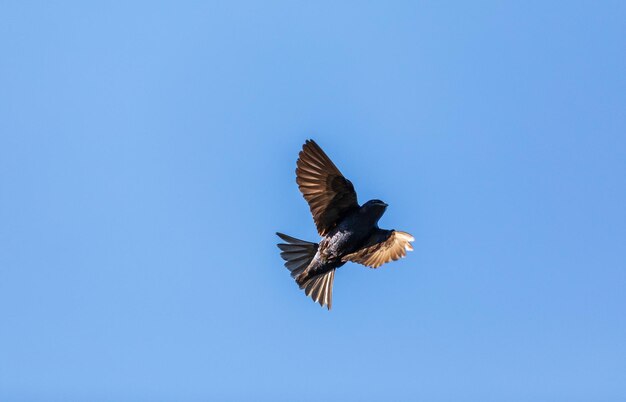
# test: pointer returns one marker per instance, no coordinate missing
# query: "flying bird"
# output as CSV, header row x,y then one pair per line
x,y
349,231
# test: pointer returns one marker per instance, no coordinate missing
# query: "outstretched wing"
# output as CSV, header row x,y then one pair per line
x,y
382,247
330,195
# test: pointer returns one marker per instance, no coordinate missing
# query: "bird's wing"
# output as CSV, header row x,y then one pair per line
x,y
329,194
382,247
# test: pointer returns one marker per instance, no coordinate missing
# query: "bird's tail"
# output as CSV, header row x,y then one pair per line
x,y
298,255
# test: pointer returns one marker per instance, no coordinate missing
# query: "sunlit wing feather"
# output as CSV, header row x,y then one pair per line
x,y
385,246
330,195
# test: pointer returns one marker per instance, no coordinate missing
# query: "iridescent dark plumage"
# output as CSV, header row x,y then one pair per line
x,y
349,232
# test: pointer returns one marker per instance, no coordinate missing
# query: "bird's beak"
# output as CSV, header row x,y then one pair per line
x,y
385,204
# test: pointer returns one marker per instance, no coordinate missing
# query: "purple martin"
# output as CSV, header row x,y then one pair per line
x,y
349,231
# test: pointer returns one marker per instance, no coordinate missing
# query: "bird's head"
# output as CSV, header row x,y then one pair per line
x,y
374,209
375,204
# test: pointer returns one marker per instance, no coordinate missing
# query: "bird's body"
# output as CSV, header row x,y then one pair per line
x,y
349,232
348,236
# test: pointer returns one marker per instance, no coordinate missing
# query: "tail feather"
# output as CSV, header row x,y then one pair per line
x,y
320,288
298,254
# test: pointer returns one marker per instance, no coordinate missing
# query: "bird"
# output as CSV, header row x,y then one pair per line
x,y
349,231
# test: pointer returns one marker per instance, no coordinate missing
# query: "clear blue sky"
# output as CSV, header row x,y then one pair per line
x,y
147,156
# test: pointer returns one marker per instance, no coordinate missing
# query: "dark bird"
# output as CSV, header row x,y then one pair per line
x,y
349,232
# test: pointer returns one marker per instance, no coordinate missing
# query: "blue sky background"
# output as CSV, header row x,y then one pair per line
x,y
147,156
